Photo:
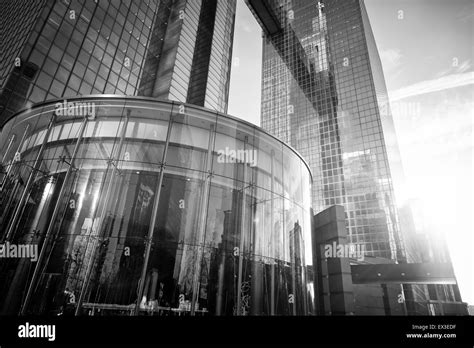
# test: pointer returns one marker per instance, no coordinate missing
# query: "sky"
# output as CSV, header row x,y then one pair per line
x,y
426,48
246,72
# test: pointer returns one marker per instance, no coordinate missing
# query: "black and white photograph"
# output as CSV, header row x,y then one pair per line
x,y
168,167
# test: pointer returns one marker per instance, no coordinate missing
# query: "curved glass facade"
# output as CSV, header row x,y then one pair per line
x,y
138,206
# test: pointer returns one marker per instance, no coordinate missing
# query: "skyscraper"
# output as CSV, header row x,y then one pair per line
x,y
177,50
323,92
190,53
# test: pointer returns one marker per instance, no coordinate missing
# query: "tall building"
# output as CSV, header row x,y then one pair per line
x,y
190,53
177,50
323,92
138,205
187,222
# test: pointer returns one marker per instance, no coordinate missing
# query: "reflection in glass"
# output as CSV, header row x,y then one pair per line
x,y
224,236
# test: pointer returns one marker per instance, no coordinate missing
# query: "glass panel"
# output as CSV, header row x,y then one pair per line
x,y
233,239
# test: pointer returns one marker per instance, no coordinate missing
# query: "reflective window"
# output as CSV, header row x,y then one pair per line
x,y
226,219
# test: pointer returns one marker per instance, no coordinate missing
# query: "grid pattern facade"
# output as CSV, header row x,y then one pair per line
x,y
147,48
318,94
85,47
17,19
217,91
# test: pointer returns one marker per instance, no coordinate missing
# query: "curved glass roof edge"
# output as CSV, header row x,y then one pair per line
x,y
155,100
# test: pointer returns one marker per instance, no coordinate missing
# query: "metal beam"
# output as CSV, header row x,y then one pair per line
x,y
407,273
263,11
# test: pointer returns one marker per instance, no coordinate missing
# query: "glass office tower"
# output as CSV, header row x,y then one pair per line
x,y
323,92
178,50
190,53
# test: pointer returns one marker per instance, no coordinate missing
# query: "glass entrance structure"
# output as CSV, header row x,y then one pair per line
x,y
144,207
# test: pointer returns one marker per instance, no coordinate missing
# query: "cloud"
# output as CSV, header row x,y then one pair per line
x,y
456,68
438,84
466,14
465,66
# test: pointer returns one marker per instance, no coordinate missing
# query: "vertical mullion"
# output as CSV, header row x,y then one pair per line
x,y
203,219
